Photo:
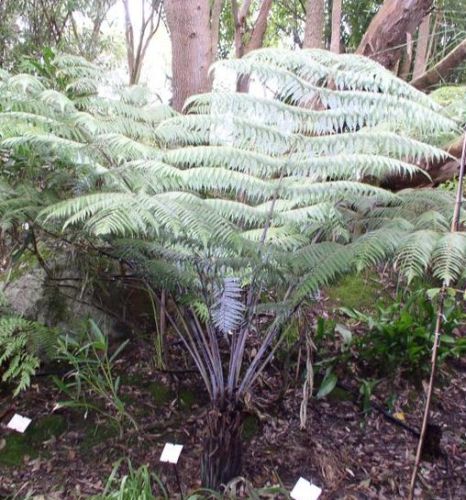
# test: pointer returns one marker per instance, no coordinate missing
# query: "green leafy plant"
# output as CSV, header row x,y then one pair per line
x,y
23,344
400,335
92,380
395,338
136,484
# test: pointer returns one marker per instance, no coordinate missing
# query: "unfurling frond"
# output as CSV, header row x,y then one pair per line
x,y
228,309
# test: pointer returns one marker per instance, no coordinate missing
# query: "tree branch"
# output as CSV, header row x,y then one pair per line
x,y
386,35
215,26
442,68
260,26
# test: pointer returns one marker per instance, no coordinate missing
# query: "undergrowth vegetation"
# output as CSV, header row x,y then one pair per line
x,y
387,341
91,383
23,344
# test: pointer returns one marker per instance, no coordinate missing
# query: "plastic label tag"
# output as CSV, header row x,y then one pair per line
x,y
304,490
19,423
171,453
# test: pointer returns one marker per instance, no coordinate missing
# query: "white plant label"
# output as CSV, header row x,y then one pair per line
x,y
171,453
19,423
304,490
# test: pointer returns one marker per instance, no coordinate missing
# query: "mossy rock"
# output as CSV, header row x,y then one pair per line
x,y
161,393
250,428
358,291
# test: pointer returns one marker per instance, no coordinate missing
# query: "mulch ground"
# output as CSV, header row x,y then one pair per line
x,y
348,453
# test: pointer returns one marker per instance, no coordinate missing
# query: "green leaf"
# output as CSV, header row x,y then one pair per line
x,y
345,332
327,385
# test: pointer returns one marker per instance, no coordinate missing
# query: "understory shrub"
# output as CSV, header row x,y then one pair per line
x,y
400,336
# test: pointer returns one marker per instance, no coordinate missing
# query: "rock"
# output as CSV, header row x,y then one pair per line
x,y
33,296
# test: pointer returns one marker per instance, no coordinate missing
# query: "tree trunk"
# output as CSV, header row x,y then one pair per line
x,y
136,49
386,35
190,34
257,33
215,16
442,68
407,60
315,21
420,61
336,26
221,455
260,26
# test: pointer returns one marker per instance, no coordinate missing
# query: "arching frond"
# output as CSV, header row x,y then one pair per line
x,y
415,253
245,177
449,257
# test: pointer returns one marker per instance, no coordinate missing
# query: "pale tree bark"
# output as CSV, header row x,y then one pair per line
x,y
335,41
88,47
314,28
431,47
216,13
192,51
442,68
420,61
386,36
257,33
136,46
405,66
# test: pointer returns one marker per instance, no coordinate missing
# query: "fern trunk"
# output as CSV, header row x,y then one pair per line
x,y
221,458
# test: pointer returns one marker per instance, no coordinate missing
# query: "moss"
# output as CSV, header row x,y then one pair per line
x,y
187,399
17,446
250,427
131,380
161,394
339,394
449,95
26,263
358,291
97,434
46,428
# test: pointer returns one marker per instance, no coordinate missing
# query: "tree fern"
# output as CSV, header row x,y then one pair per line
x,y
278,189
249,203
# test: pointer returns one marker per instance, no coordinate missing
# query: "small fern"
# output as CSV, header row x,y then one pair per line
x,y
21,343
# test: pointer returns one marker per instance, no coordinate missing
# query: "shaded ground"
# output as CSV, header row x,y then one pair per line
x,y
350,455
